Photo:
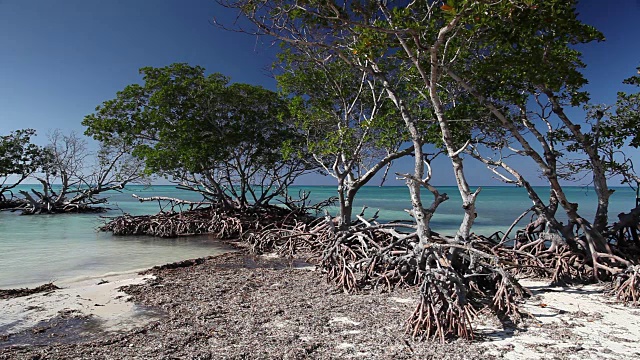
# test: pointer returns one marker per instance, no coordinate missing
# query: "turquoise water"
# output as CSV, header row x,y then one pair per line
x,y
38,249
497,206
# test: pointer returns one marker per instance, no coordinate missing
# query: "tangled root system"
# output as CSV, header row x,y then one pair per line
x,y
626,286
222,223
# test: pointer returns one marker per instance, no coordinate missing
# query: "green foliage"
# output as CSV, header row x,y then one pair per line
x,y
608,129
181,121
627,117
514,47
19,157
506,50
338,109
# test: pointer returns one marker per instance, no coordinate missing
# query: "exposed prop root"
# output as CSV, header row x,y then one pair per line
x,y
455,279
540,252
222,223
443,311
360,259
202,221
508,292
561,265
9,203
544,254
286,238
568,267
626,287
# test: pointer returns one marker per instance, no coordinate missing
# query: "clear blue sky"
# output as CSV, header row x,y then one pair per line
x,y
59,59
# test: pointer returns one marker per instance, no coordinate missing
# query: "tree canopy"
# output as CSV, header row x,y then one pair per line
x,y
235,143
19,158
496,78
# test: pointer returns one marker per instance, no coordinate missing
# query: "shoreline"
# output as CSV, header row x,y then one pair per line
x,y
99,299
235,305
64,278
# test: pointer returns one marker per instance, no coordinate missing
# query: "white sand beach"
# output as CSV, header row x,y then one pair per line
x,y
577,322
574,323
99,298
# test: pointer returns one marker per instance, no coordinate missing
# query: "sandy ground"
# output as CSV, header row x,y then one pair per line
x,y
572,323
239,307
97,298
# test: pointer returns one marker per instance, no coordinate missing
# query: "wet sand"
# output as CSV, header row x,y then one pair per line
x,y
235,306
97,298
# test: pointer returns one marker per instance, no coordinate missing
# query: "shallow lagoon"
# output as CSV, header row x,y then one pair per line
x,y
39,249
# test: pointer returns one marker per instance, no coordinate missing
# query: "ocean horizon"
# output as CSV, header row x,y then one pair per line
x,y
42,248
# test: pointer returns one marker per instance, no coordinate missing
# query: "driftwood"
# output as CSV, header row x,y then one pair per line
x,y
10,203
172,203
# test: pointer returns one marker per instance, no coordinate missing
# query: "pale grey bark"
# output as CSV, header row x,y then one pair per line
x,y
597,168
595,241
